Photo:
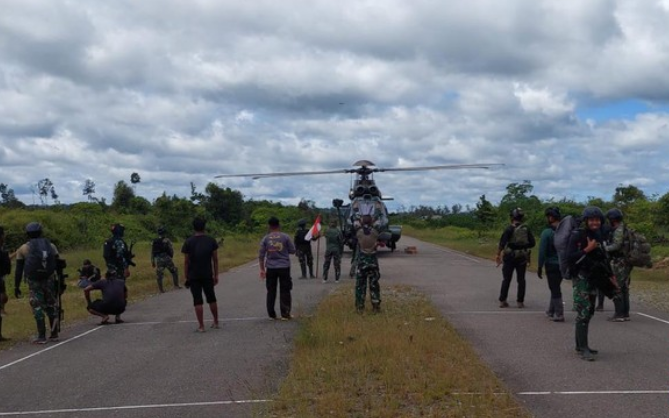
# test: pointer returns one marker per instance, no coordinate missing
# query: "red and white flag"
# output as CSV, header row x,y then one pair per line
x,y
315,230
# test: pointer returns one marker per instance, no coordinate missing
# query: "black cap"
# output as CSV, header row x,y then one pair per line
x,y
273,221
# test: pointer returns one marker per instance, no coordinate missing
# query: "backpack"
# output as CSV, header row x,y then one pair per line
x,y
519,238
40,264
159,246
636,249
565,228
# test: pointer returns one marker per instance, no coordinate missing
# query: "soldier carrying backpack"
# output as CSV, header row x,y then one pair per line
x,y
36,260
514,252
162,253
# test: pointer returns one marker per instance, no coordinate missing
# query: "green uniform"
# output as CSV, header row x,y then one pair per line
x,y
334,244
367,269
161,256
621,270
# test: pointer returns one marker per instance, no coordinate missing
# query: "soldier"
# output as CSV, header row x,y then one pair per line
x,y
274,262
117,254
367,266
514,246
303,248
586,259
162,253
334,245
36,259
548,258
621,269
5,270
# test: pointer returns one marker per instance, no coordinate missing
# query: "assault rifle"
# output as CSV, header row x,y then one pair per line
x,y
128,254
60,289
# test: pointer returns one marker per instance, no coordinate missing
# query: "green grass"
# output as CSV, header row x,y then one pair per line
x,y
406,361
18,323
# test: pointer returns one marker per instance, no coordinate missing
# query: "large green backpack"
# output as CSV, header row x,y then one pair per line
x,y
519,238
636,249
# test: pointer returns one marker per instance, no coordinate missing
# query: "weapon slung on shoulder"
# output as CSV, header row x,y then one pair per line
x,y
129,255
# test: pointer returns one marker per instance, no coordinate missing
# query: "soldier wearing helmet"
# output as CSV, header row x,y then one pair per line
x,y
587,259
303,247
514,253
548,259
162,254
41,280
614,246
116,253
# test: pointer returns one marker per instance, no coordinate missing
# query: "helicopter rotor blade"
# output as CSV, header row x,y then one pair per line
x,y
438,167
297,173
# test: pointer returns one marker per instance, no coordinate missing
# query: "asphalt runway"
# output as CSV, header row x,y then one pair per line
x,y
155,365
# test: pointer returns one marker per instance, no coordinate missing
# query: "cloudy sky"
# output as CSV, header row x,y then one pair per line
x,y
572,95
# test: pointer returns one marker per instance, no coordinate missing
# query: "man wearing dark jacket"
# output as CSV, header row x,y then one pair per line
x,y
514,252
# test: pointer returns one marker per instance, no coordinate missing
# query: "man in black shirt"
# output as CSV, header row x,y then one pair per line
x,y
201,267
514,251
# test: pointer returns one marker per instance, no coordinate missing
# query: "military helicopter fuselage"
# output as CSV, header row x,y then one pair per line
x,y
365,197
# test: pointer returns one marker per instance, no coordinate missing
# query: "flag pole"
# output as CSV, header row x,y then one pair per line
x,y
318,248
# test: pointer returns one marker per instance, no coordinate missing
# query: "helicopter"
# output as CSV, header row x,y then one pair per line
x,y
365,198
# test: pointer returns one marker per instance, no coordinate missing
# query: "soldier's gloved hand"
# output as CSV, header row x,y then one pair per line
x,y
17,293
540,274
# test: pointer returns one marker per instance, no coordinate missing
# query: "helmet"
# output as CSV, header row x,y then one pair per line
x,y
117,230
517,214
33,227
161,230
592,212
554,212
302,222
614,214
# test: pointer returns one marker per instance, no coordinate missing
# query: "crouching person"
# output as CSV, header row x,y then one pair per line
x,y
114,298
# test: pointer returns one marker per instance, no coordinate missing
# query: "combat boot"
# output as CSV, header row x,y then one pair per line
x,y
325,276
1,337
551,309
559,310
304,271
160,285
41,332
582,342
311,272
376,307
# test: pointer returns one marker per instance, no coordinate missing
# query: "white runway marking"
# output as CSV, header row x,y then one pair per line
x,y
249,318
505,311
601,392
476,260
652,317
48,348
117,408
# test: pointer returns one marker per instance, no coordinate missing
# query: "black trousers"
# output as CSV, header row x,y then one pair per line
x,y
554,278
280,277
509,266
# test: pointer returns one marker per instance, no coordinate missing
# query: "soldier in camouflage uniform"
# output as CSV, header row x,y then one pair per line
x,y
621,269
334,245
115,252
162,253
43,293
367,266
585,251
303,247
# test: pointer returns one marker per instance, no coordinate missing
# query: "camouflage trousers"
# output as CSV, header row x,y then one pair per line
x,y
584,299
367,273
621,270
163,262
306,259
329,255
43,298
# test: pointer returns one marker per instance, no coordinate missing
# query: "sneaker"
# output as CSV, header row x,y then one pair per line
x,y
626,318
286,318
325,280
599,308
336,280
54,338
302,277
39,340
558,319
503,305
521,305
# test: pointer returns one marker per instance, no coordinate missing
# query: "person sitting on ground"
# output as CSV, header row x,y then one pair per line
x,y
88,274
114,298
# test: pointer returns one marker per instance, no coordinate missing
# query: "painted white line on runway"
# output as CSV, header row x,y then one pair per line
x,y
500,312
652,317
600,392
249,318
51,347
446,250
117,408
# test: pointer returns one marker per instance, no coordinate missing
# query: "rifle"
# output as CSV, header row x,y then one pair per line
x,y
60,289
128,254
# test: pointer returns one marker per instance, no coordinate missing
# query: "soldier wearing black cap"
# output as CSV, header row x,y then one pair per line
x,y
514,251
303,248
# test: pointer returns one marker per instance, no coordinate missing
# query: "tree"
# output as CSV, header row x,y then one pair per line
x,y
627,195
224,204
46,188
89,190
456,209
123,195
195,196
485,212
134,178
8,198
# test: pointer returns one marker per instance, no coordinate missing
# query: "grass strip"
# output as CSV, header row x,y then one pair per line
x,y
18,323
405,361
